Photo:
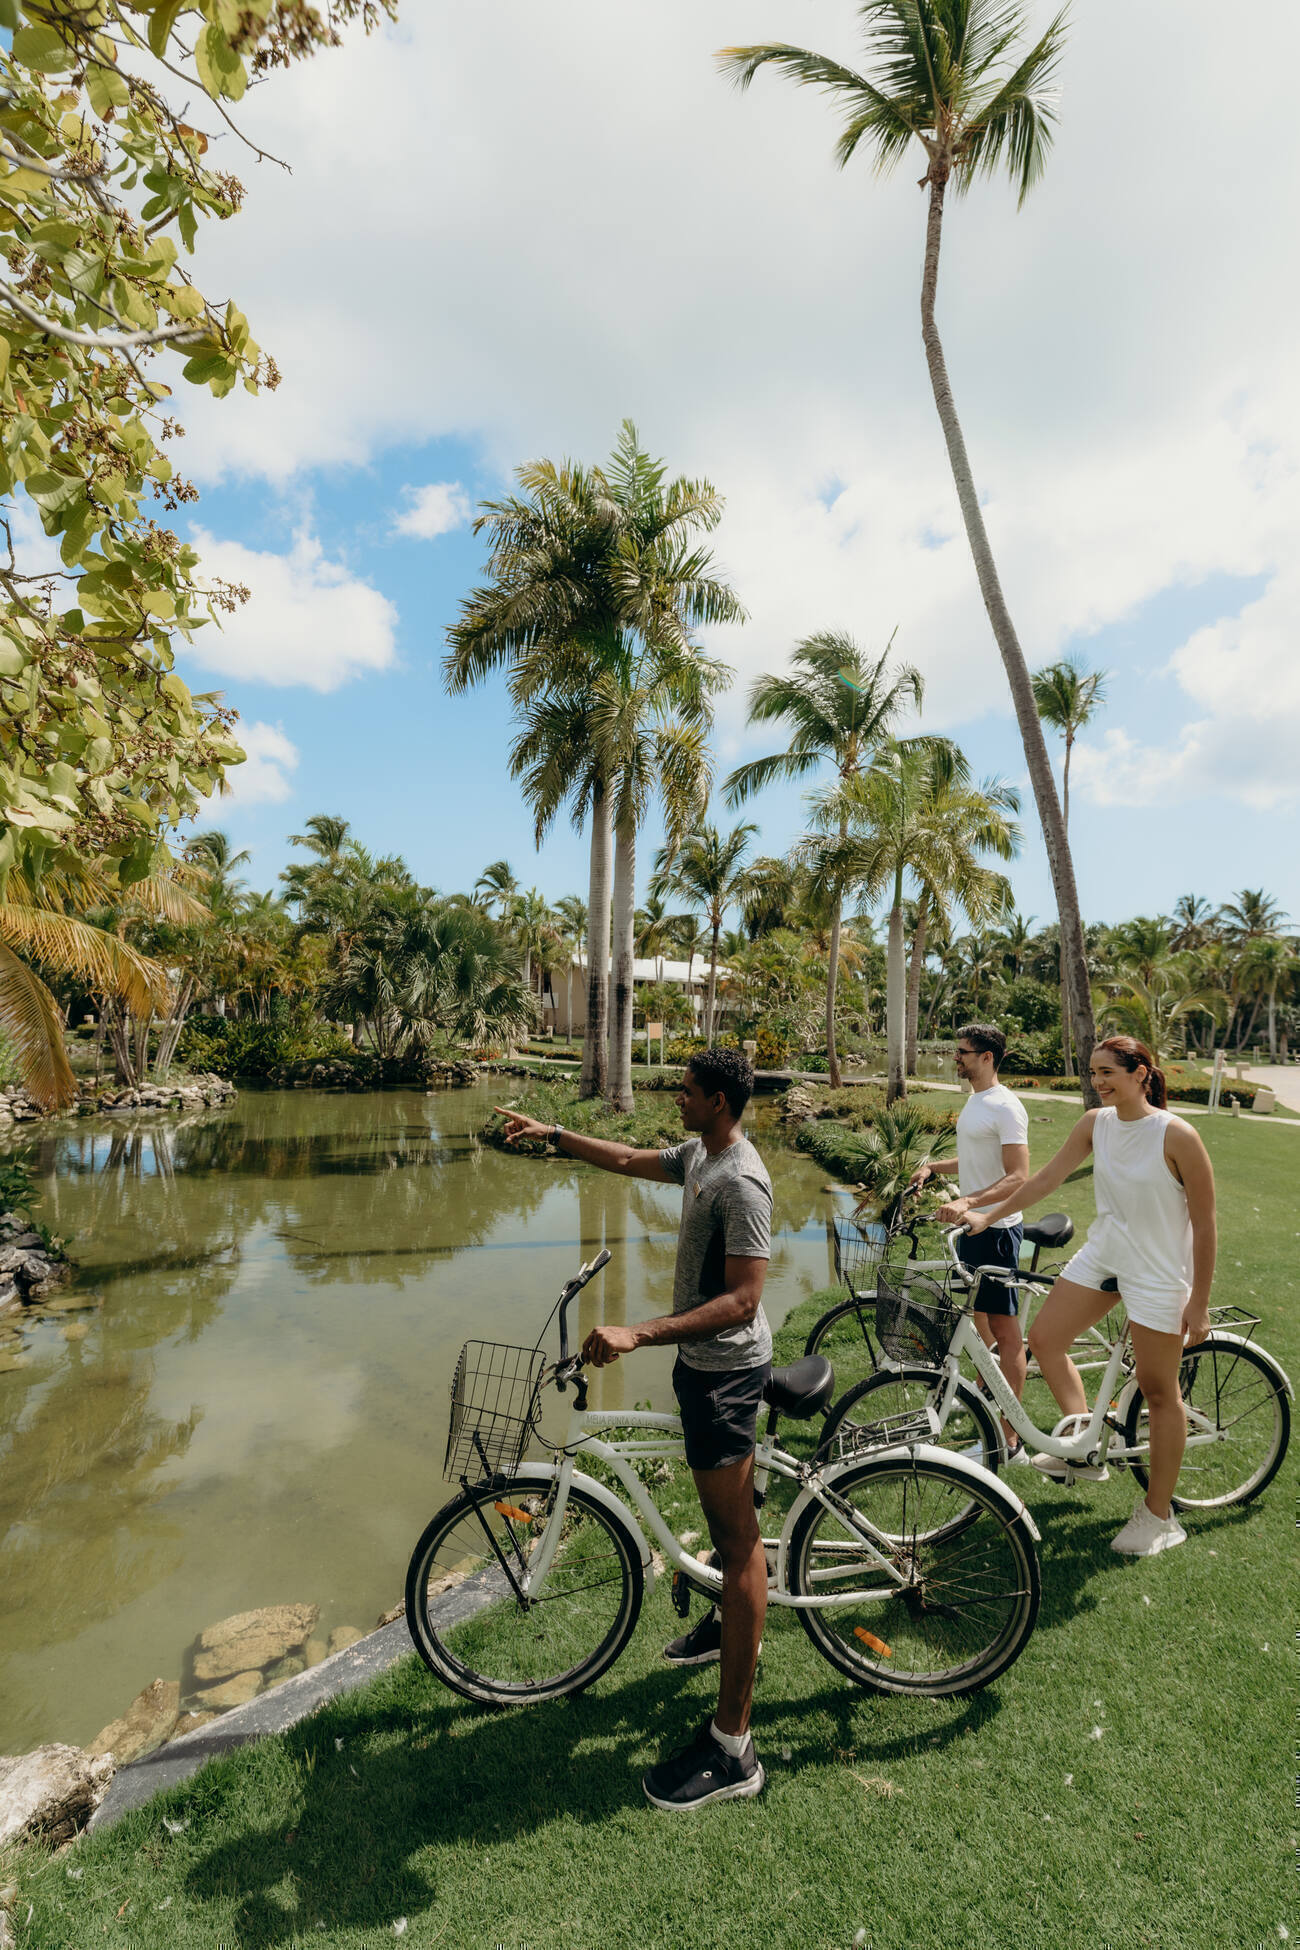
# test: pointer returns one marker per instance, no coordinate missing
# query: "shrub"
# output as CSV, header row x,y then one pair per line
x,y
230,1046
1033,1055
653,1123
882,1158
1032,1006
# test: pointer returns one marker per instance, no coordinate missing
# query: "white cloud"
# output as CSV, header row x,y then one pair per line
x,y
308,621
269,756
434,510
1123,367
1242,676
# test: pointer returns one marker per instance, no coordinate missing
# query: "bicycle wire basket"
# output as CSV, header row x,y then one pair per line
x,y
495,1405
916,1318
859,1247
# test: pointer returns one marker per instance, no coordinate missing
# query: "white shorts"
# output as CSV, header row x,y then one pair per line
x,y
1148,1301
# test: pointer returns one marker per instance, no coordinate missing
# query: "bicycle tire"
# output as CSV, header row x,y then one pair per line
x,y
900,1391
979,1589
844,1336
470,1628
1230,1384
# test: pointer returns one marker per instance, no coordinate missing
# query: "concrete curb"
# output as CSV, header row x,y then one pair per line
x,y
283,1706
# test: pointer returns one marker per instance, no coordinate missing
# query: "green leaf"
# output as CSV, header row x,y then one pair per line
x,y
9,14
107,91
220,69
161,22
42,49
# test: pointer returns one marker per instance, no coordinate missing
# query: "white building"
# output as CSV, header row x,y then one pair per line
x,y
692,978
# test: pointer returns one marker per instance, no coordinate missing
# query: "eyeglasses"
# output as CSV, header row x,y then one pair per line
x,y
964,1052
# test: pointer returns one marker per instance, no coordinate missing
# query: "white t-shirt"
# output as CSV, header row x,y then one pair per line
x,y
989,1119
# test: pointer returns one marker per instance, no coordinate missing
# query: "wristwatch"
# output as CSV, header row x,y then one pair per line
x,y
553,1136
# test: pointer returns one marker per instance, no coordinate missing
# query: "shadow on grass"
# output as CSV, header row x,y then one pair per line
x,y
426,1772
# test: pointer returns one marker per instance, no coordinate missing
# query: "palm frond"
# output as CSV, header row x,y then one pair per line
x,y
30,1019
96,957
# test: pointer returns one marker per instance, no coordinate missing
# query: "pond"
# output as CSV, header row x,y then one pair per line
x,y
241,1400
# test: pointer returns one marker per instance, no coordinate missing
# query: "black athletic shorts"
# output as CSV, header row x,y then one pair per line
x,y
719,1408
999,1246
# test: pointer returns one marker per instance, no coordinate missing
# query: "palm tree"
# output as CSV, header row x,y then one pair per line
x,y
654,929
589,562
212,852
1152,1004
838,705
1015,936
709,870
1251,915
871,832
571,912
1270,962
497,887
1067,695
1193,921
967,821
951,75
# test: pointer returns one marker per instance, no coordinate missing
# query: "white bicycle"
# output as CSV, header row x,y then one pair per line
x,y
912,1569
1235,1393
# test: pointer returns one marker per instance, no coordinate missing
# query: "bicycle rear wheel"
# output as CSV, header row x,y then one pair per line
x,y
468,1619
1238,1426
971,1595
971,1427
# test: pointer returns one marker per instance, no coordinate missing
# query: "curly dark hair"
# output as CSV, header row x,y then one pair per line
x,y
727,1070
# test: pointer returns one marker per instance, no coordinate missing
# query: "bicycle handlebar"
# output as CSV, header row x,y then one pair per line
x,y
575,1286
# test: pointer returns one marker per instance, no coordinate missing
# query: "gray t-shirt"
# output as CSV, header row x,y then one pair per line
x,y
726,1208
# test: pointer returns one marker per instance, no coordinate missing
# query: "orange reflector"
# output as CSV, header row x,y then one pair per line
x,y
869,1638
510,1510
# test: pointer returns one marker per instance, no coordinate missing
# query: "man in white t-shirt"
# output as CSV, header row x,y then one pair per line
x,y
992,1163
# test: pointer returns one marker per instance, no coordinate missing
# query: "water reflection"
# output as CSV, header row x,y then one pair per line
x,y
253,1409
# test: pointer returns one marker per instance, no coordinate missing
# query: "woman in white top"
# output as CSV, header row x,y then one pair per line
x,y
1155,1236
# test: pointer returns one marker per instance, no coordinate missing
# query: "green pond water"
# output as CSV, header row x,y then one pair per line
x,y
242,1398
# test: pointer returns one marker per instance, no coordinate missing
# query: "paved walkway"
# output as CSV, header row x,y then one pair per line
x,y
1283,1078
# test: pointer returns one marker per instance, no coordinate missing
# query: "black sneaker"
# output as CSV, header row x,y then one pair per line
x,y
702,1772
702,1645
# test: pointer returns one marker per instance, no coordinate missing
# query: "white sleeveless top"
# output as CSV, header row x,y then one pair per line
x,y
1141,1205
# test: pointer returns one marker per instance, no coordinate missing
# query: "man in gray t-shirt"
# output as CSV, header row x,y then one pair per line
x,y
725,1360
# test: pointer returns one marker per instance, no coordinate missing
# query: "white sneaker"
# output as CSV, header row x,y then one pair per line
x,y
1146,1535
1017,1456
1060,1471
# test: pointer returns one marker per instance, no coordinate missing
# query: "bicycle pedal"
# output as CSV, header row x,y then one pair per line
x,y
681,1595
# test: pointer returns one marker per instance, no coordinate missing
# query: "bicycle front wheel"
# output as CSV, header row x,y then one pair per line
x,y
969,1594
1238,1426
844,1336
489,1629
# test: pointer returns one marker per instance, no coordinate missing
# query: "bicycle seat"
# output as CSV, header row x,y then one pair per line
x,y
803,1389
1054,1230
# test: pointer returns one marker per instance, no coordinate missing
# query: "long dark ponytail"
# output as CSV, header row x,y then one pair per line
x,y
1130,1054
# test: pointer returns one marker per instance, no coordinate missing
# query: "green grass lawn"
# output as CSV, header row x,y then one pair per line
x,y
1129,1783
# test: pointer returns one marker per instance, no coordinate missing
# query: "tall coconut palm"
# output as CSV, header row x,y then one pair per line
x,y
654,928
838,704
586,560
1251,915
957,77
708,869
1067,696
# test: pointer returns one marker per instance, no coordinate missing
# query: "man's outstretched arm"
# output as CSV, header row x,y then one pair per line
x,y
624,1159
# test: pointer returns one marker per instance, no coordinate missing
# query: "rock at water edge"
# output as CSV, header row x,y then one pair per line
x,y
344,1635
51,1793
147,1722
191,1722
252,1638
236,1691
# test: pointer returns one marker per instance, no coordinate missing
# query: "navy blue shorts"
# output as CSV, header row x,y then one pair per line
x,y
719,1410
999,1246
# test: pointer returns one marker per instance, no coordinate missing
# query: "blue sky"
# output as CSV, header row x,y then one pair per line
x,y
1126,387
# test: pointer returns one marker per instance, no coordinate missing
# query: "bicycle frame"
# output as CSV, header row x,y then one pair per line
x,y
1079,1447
817,1486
